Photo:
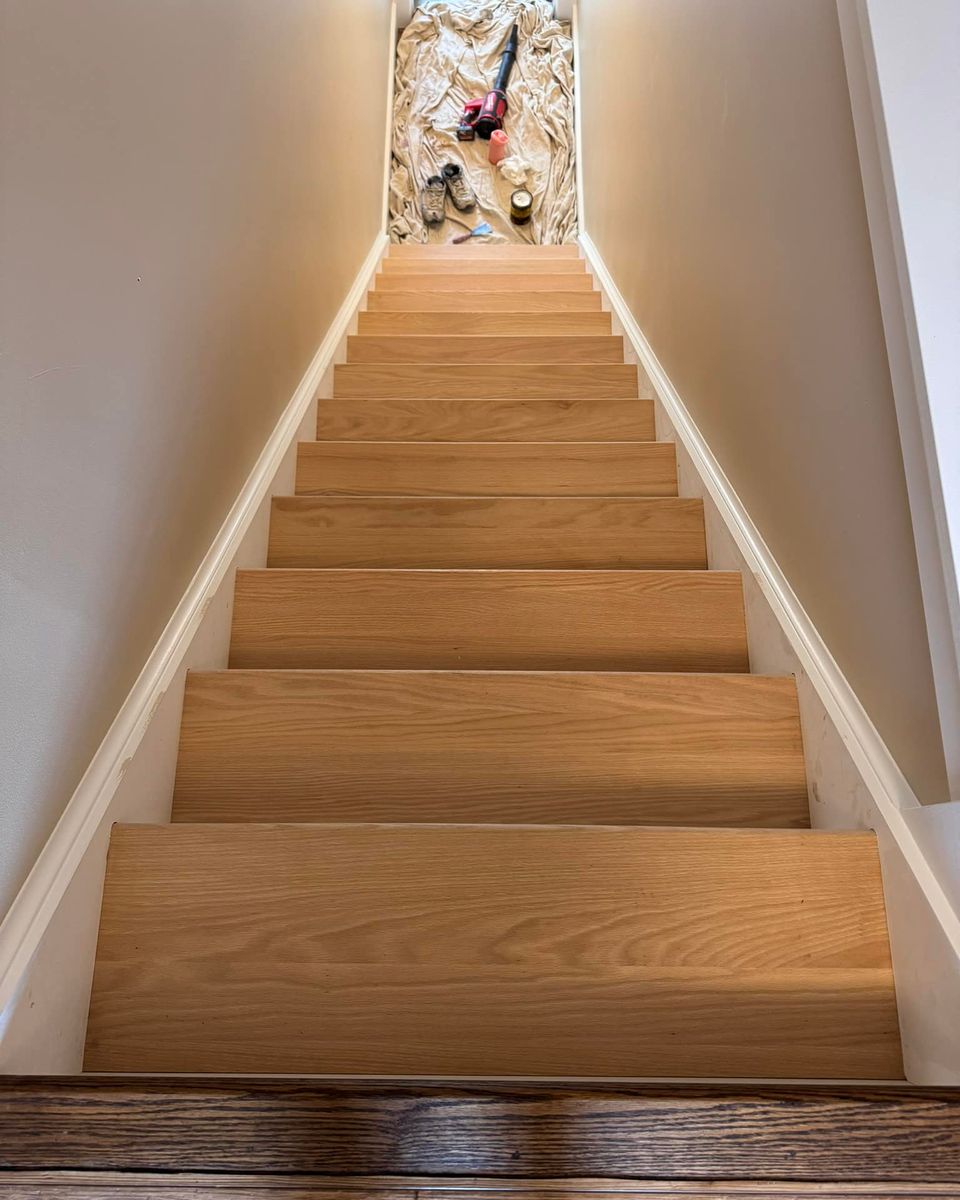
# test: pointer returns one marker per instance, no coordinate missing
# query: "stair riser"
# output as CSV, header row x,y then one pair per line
x,y
446,951
486,420
486,469
302,746
492,381
481,251
490,620
487,301
564,533
461,282
464,266
491,324
478,349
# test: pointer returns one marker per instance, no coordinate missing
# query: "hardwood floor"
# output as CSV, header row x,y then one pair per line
x,y
661,1136
187,1186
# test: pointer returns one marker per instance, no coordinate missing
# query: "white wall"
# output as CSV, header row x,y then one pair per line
x,y
903,70
722,189
188,190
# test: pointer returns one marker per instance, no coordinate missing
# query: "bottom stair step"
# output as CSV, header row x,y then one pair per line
x,y
493,951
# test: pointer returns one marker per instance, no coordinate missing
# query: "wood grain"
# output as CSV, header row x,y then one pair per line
x,y
490,620
483,381
474,348
487,420
529,531
508,951
493,266
339,468
491,301
563,748
51,1185
482,251
57,1185
664,1134
485,324
506,282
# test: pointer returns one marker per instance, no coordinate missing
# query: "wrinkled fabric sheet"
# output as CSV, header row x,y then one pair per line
x,y
449,54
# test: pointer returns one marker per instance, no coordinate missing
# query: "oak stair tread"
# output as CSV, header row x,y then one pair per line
x,y
486,324
465,282
510,620
487,789
478,251
491,300
578,747
486,381
437,348
412,418
494,266
485,952
662,532
340,468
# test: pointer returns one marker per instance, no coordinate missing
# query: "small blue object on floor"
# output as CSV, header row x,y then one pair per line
x,y
480,231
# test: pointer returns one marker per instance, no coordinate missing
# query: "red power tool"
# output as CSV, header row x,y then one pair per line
x,y
481,117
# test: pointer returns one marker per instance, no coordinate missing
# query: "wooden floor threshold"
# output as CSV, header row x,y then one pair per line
x,y
105,1185
686,1133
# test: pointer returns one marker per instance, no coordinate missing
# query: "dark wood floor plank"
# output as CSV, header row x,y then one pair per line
x,y
116,1185
654,1132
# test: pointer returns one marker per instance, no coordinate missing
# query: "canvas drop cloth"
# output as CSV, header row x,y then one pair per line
x,y
450,53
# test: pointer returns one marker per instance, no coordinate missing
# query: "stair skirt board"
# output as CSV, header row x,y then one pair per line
x,y
487,790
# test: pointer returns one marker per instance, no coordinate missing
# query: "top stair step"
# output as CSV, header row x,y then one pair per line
x,y
492,266
481,251
483,281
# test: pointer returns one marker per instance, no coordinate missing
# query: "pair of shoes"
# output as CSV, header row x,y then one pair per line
x,y
435,190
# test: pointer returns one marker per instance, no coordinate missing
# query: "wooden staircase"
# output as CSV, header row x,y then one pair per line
x,y
488,789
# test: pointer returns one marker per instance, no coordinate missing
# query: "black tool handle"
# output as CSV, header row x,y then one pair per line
x,y
507,61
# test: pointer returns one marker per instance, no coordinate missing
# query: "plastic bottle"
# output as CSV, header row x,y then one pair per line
x,y
498,145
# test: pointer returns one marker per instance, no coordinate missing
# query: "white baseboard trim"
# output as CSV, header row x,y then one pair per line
x,y
886,802
26,924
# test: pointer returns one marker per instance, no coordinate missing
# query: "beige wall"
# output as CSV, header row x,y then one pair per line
x,y
188,189
722,189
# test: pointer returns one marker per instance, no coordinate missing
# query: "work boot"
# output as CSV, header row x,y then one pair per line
x,y
461,193
432,196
